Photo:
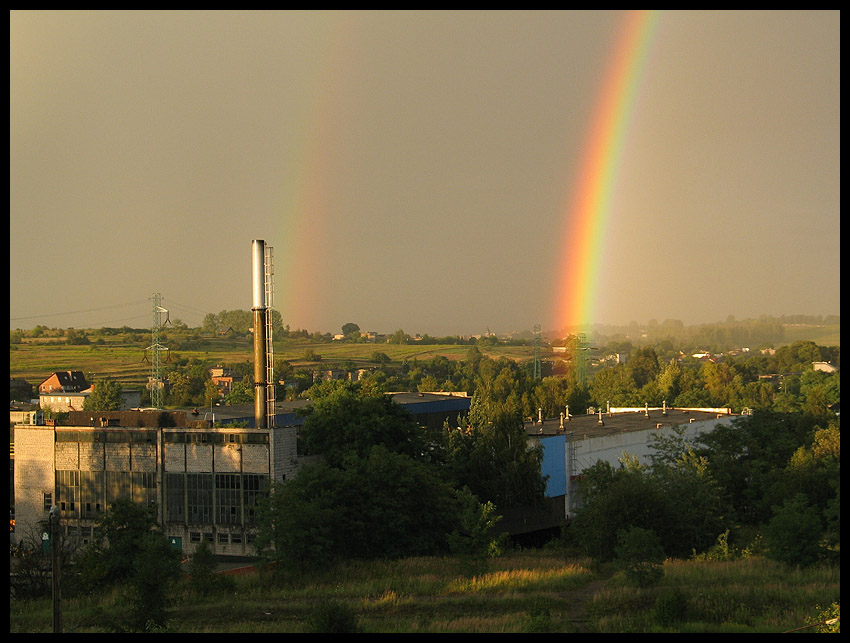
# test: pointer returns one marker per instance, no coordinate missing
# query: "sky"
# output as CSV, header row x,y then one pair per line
x,y
414,170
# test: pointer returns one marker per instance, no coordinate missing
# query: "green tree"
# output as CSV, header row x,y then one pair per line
x,y
793,534
399,337
351,332
473,540
156,568
240,393
105,396
346,419
361,509
615,498
132,553
490,454
203,581
643,366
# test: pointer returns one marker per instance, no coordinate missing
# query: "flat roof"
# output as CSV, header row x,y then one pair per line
x,y
621,422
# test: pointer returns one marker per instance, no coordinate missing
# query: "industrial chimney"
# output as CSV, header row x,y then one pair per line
x,y
258,307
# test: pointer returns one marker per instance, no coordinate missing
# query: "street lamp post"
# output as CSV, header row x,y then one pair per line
x,y
55,546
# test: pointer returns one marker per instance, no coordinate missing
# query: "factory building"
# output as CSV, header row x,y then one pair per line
x,y
204,480
573,443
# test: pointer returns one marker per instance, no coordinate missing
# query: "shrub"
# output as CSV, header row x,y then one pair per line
x,y
670,607
539,618
639,555
793,534
333,617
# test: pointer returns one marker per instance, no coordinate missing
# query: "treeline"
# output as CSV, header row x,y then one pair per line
x,y
784,380
763,332
767,484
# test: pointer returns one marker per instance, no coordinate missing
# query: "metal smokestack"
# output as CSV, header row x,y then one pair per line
x,y
258,251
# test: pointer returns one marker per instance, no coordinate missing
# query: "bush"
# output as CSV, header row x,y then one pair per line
x,y
539,618
333,617
793,534
639,555
670,607
203,581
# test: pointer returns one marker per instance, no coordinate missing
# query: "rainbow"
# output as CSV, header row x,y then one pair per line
x,y
588,207
305,166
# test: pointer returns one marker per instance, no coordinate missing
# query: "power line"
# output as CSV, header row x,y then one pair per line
x,y
74,312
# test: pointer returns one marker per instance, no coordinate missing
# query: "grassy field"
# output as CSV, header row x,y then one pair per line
x,y
125,359
533,591
33,360
826,335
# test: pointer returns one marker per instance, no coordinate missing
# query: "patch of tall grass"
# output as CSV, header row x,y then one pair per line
x,y
751,595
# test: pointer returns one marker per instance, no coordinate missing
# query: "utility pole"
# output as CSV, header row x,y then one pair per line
x,y
537,366
55,550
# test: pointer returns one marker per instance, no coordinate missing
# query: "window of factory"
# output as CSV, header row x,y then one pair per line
x,y
253,486
48,501
92,499
175,501
199,487
195,536
67,492
141,437
223,538
117,485
144,487
228,490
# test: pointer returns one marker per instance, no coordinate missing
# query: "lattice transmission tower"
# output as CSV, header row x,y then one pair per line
x,y
537,364
581,358
155,382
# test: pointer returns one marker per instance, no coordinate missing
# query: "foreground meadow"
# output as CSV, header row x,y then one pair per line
x,y
536,591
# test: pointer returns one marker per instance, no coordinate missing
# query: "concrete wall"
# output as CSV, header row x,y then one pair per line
x,y
33,477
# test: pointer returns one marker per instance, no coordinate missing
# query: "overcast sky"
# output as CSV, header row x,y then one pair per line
x,y
410,169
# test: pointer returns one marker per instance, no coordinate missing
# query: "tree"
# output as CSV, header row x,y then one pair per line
x,y
383,505
792,536
399,337
132,552
489,454
156,567
203,580
351,331
105,396
473,540
346,419
615,498
241,393
643,366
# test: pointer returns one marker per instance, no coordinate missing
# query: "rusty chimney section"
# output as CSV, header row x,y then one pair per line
x,y
258,307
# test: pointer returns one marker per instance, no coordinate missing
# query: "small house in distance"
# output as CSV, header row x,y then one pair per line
x,y
64,382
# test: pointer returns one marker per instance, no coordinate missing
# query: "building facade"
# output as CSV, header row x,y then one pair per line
x,y
204,481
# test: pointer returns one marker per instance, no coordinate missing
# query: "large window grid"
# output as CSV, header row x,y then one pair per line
x,y
87,494
213,498
228,491
175,499
199,498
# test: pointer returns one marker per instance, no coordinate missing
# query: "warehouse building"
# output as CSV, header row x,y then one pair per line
x,y
204,480
573,443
